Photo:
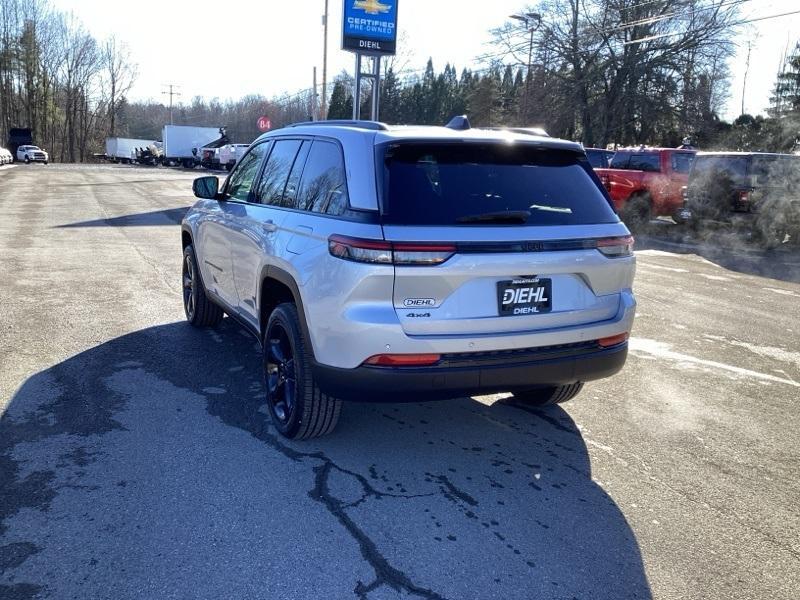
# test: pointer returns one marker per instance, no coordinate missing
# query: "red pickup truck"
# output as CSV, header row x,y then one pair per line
x,y
646,182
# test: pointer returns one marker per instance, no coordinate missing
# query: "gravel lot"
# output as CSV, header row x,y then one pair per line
x,y
137,461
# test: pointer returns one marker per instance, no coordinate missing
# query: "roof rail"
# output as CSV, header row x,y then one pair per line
x,y
372,125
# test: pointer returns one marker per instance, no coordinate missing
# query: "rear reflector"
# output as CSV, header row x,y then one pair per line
x,y
613,340
616,247
403,360
383,252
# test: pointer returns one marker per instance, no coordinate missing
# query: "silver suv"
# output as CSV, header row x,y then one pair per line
x,y
390,263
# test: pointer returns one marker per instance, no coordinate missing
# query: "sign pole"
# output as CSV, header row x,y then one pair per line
x,y
376,85
357,90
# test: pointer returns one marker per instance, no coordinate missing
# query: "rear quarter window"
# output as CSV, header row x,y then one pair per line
x,y
489,184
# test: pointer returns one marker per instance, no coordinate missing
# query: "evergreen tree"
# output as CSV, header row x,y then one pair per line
x,y
341,105
390,109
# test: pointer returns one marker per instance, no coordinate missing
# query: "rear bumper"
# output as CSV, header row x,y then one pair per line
x,y
476,373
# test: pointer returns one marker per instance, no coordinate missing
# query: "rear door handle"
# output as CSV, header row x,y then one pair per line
x,y
268,225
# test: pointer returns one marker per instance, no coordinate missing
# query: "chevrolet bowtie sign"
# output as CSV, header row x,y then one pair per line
x,y
370,26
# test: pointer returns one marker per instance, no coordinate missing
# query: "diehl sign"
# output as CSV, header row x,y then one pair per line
x,y
370,26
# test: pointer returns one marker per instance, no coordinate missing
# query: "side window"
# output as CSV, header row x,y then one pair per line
x,y
241,181
650,162
279,164
324,189
620,160
293,183
682,162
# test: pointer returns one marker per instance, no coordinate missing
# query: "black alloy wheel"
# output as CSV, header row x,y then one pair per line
x,y
189,281
200,310
300,410
280,373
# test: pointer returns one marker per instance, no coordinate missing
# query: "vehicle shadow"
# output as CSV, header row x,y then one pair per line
x,y
128,182
169,216
146,467
726,249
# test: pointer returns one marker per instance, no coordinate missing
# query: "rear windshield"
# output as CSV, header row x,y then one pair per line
x,y
730,169
489,184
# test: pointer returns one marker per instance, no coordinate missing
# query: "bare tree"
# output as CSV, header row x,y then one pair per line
x,y
119,74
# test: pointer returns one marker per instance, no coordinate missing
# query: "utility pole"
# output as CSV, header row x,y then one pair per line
x,y
746,70
531,21
171,93
314,114
323,113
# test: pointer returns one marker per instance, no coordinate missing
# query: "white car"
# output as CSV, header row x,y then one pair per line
x,y
230,154
29,154
5,157
386,263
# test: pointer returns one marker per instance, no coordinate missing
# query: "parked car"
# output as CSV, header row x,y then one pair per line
x,y
411,263
599,158
5,157
230,153
28,154
647,182
751,191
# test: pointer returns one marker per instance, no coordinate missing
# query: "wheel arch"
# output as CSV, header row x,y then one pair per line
x,y
277,286
186,236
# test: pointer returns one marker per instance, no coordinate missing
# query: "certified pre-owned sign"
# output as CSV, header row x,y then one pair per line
x,y
370,26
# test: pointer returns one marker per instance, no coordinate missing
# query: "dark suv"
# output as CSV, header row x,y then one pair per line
x,y
752,191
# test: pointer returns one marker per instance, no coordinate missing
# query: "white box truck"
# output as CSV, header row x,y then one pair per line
x,y
124,149
182,143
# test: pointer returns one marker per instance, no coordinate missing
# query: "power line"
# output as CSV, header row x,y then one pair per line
x,y
735,24
655,19
640,4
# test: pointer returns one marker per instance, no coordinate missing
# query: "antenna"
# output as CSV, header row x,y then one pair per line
x,y
460,122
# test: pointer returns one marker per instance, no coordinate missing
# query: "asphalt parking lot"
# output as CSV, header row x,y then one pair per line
x,y
137,460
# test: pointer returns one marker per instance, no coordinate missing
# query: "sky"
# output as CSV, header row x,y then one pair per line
x,y
270,47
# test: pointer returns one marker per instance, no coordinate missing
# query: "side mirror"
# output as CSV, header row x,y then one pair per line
x,y
206,187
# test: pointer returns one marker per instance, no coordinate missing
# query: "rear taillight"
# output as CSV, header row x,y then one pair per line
x,y
616,247
744,197
613,340
388,253
403,360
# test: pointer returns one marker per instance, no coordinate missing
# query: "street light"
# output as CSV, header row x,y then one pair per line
x,y
532,21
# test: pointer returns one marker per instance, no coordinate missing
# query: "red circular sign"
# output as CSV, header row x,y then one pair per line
x,y
264,124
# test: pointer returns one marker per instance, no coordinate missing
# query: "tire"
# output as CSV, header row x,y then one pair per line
x,y
199,309
27,160
299,409
637,212
549,395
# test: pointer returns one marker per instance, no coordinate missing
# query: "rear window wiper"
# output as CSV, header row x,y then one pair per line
x,y
508,217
